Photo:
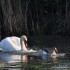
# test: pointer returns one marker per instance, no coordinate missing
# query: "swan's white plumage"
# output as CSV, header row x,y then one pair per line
x,y
14,44
10,44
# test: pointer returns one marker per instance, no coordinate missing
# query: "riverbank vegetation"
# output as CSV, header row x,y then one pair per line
x,y
34,17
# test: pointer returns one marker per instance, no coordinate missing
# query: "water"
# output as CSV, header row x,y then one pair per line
x,y
25,62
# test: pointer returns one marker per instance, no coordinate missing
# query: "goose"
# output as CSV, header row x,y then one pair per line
x,y
52,52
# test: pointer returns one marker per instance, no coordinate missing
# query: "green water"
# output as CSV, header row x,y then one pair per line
x,y
34,63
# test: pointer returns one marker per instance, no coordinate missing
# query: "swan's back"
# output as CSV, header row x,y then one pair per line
x,y
10,44
15,40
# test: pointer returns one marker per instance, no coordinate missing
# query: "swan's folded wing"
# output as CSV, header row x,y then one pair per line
x,y
15,43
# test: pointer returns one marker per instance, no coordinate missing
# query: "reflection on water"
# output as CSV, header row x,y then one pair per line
x,y
20,62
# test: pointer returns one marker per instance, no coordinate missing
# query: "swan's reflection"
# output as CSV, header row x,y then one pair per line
x,y
13,58
14,62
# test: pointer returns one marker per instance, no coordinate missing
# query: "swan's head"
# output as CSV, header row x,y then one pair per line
x,y
24,37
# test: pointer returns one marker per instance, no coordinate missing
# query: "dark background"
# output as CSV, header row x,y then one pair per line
x,y
45,22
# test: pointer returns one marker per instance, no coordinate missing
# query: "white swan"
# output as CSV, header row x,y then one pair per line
x,y
14,43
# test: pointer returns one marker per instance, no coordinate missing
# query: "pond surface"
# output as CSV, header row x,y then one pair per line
x,y
25,62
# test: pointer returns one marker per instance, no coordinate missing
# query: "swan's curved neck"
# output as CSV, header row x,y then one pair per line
x,y
23,46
